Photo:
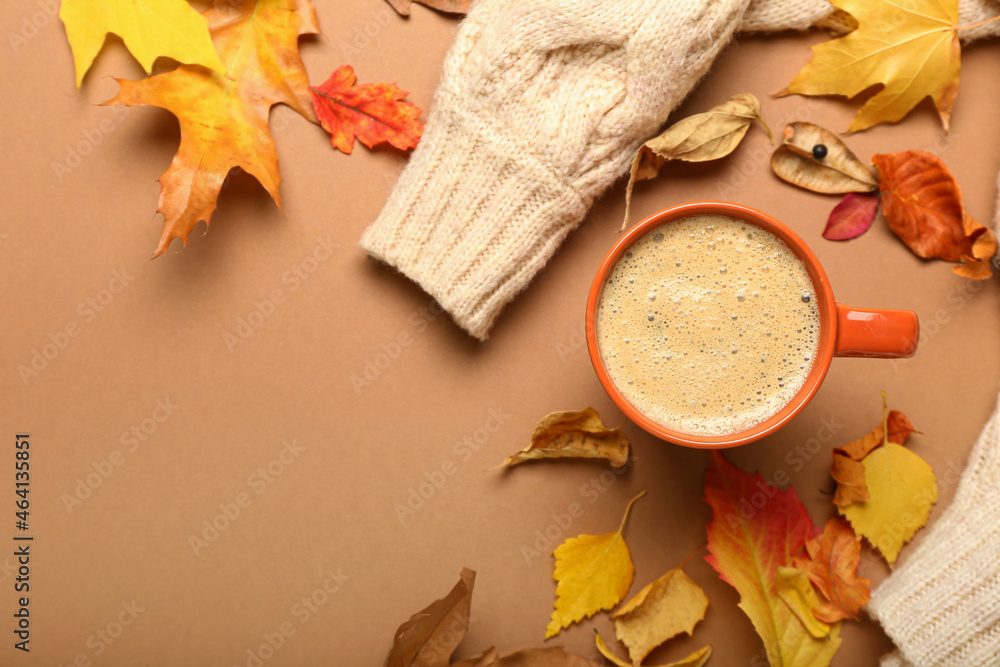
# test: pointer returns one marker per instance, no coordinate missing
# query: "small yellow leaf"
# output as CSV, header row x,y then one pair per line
x,y
665,608
696,659
593,572
795,589
574,435
149,28
704,136
902,487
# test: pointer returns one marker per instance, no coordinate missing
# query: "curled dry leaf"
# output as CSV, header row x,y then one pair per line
x,y
852,217
574,435
832,567
593,572
799,161
663,609
923,204
748,543
978,267
448,6
419,641
696,659
698,138
795,590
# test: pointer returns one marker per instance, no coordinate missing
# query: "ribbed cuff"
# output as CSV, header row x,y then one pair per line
x,y
942,606
473,217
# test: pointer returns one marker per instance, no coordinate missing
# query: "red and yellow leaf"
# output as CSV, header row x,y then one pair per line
x,y
832,566
374,113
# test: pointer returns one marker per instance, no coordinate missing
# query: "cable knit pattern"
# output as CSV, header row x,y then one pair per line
x,y
541,107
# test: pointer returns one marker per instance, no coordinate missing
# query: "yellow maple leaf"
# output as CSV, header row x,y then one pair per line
x,y
593,572
224,119
911,49
696,659
902,488
663,609
149,28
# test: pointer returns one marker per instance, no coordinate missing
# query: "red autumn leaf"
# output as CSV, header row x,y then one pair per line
x,y
832,566
923,205
851,217
757,528
374,113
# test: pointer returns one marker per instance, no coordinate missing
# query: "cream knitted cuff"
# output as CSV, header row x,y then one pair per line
x,y
942,606
467,171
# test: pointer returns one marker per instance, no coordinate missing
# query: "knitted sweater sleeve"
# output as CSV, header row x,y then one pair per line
x,y
541,106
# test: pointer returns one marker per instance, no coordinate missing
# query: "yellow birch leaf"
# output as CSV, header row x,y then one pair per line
x,y
902,487
149,28
593,572
579,435
910,48
665,608
795,590
696,659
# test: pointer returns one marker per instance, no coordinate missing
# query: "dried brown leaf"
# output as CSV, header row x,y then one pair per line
x,y
699,138
574,435
838,172
418,641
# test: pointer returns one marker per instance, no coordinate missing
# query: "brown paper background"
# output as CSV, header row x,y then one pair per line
x,y
334,505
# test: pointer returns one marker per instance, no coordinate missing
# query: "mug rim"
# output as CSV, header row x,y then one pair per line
x,y
825,302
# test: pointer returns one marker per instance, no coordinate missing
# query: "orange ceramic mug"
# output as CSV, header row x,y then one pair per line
x,y
843,331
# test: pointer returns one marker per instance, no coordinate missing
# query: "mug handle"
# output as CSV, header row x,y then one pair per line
x,y
875,333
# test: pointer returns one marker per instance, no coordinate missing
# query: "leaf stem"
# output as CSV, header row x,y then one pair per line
x,y
885,421
628,507
976,25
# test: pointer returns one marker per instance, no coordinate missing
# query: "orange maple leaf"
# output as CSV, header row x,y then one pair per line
x,y
373,112
757,528
832,566
224,118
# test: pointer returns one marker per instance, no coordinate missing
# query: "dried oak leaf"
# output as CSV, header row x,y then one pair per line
x,y
910,49
593,572
852,217
696,659
836,170
832,567
574,435
663,609
795,590
149,28
375,113
224,119
699,138
747,545
448,6
419,641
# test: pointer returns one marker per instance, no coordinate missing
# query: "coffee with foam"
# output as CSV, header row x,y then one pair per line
x,y
708,325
